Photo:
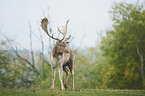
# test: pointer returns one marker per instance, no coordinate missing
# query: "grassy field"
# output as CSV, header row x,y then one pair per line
x,y
45,92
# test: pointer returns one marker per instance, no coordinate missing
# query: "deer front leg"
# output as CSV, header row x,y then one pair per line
x,y
60,77
53,77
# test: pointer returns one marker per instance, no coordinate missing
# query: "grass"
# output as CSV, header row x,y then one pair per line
x,y
45,92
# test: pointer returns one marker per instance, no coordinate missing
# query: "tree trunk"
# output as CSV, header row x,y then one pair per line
x,y
142,71
141,58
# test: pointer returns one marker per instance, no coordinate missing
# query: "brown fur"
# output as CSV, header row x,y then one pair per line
x,y
68,66
60,55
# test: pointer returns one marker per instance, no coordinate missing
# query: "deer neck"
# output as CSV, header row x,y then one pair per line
x,y
55,52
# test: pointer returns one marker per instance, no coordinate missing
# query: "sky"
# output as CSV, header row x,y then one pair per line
x,y
88,18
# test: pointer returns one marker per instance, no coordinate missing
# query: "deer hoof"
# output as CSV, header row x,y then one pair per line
x,y
62,89
51,89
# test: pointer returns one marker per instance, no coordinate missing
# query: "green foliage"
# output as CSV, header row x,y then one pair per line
x,y
14,73
6,70
120,45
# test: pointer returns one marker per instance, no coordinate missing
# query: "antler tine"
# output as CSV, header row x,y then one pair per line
x,y
68,38
59,31
64,31
44,24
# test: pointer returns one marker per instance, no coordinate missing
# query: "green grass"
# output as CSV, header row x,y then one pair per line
x,y
45,92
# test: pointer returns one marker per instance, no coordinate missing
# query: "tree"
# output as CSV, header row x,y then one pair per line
x,y
124,46
13,74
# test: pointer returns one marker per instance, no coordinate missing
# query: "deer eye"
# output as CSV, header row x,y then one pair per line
x,y
60,45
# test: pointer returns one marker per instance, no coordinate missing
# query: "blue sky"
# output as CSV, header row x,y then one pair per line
x,y
88,17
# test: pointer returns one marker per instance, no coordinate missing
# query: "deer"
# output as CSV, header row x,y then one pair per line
x,y
60,56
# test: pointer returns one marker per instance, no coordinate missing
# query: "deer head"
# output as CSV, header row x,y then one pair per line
x,y
60,43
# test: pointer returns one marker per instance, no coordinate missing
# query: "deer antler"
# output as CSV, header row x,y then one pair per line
x,y
44,24
64,31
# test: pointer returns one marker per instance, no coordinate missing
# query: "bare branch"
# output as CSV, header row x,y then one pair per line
x,y
32,54
81,41
16,52
42,10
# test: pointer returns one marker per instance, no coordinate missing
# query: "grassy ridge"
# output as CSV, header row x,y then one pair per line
x,y
40,92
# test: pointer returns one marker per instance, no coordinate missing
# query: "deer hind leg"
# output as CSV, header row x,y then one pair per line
x,y
66,70
60,77
71,68
53,77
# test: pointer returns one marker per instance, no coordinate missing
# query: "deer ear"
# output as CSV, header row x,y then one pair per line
x,y
67,42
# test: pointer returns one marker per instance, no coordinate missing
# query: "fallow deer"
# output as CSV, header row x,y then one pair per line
x,y
60,56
